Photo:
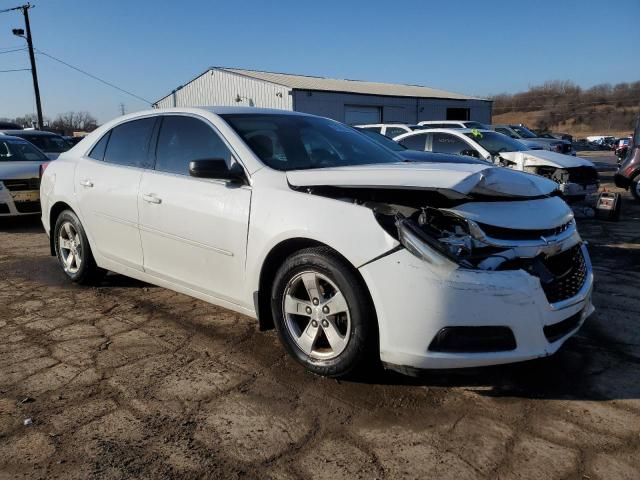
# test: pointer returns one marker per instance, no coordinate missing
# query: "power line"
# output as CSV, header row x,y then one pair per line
x,y
92,76
14,50
15,70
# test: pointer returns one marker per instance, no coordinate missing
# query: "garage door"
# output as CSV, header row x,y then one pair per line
x,y
360,115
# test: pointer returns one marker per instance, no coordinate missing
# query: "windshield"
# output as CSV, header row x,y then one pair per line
x,y
297,142
386,141
494,142
523,132
17,151
478,125
48,143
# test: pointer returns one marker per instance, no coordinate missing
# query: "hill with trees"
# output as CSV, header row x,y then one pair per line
x,y
563,106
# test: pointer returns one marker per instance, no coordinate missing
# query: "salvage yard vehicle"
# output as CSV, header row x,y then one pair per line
x,y
577,178
353,254
20,164
415,156
628,174
390,130
520,132
453,124
50,143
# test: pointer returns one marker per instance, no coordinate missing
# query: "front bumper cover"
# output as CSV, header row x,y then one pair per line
x,y
415,300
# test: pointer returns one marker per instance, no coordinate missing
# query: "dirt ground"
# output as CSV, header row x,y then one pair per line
x,y
128,380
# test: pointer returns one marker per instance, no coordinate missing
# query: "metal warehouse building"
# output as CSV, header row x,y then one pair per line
x,y
349,101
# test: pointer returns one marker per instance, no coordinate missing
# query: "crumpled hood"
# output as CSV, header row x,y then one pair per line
x,y
548,158
452,180
535,214
19,170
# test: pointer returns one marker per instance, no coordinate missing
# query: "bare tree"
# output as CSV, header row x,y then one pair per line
x,y
75,121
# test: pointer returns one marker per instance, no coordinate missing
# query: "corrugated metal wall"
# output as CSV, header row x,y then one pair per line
x,y
216,88
394,109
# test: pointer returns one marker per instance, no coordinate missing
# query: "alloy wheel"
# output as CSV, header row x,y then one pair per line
x,y
316,315
70,248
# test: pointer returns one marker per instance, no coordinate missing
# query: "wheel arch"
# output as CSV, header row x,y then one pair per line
x,y
54,213
276,256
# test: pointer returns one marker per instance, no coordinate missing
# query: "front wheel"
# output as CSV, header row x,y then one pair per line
x,y
73,250
323,313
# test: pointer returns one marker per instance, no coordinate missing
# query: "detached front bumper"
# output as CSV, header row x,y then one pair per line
x,y
415,301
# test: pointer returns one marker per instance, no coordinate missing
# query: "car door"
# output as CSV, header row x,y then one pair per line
x,y
107,182
193,230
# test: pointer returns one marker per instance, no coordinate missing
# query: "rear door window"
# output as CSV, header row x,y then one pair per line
x,y
129,143
97,152
446,143
415,142
184,139
393,132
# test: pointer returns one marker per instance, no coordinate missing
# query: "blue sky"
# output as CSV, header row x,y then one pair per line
x,y
474,47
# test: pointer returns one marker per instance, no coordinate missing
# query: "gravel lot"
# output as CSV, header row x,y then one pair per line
x,y
129,380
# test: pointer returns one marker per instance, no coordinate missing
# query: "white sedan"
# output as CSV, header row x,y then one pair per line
x,y
354,255
577,177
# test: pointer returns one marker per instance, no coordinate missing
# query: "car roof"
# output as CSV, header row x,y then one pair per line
x,y
12,138
19,133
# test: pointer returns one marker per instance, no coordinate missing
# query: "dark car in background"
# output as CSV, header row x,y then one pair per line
x,y
628,175
50,143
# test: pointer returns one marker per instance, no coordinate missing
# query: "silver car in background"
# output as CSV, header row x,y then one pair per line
x,y
20,166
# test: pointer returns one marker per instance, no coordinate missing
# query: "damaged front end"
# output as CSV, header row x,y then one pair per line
x,y
491,220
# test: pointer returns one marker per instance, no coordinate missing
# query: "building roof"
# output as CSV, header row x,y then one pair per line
x,y
304,82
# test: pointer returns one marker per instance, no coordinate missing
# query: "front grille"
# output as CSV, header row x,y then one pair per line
x,y
569,272
4,208
558,330
583,175
22,184
28,206
515,234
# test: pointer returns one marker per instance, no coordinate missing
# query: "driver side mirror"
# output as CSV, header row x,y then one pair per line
x,y
216,168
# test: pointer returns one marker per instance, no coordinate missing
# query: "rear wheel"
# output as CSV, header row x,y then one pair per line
x,y
323,313
73,250
635,187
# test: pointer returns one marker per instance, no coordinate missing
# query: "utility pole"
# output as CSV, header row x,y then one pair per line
x,y
32,57
122,111
19,32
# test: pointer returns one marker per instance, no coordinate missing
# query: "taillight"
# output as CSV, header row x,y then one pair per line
x,y
43,167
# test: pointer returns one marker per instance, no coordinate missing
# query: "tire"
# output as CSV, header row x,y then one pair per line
x,y
334,335
635,187
82,268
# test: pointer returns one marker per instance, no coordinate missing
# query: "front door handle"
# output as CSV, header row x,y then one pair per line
x,y
86,183
151,198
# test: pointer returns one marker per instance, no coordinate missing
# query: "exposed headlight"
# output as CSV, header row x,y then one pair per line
x,y
415,242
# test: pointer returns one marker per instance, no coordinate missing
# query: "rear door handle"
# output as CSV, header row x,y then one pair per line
x,y
86,183
151,198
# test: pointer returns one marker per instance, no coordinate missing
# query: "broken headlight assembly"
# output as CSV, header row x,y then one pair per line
x,y
432,234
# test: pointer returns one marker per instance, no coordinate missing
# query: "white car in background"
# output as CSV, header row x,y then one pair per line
x,y
352,253
453,124
457,124
20,166
389,130
577,177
